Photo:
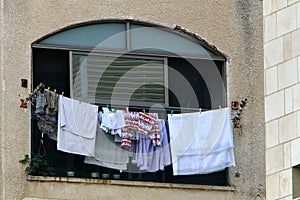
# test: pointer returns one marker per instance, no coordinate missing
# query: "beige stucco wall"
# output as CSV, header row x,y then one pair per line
x,y
234,26
282,95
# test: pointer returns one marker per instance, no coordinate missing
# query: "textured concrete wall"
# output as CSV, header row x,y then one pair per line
x,y
1,101
234,26
282,94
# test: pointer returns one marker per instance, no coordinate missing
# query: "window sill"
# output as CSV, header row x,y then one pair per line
x,y
129,183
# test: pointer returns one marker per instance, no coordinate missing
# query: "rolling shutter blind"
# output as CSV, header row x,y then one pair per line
x,y
122,79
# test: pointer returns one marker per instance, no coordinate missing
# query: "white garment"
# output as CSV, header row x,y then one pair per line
x,y
201,143
77,127
113,121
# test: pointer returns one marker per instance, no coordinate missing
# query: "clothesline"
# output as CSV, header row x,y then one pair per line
x,y
158,109
41,86
154,109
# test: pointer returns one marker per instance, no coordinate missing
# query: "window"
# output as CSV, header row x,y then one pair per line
x,y
130,64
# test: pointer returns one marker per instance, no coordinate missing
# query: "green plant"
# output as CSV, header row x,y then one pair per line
x,y
37,165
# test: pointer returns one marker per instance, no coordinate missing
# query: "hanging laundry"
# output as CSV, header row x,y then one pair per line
x,y
201,143
132,122
149,157
108,153
148,126
46,116
50,102
77,127
139,124
112,122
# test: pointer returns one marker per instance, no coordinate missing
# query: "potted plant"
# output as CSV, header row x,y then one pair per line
x,y
37,165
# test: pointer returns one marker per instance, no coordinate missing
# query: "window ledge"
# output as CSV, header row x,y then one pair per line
x,y
129,183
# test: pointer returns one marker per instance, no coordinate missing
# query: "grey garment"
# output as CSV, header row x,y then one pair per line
x,y
108,153
47,124
39,108
50,102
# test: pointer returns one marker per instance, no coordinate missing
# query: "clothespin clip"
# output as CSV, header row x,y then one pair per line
x,y
79,99
220,107
144,110
172,111
127,109
62,94
48,89
54,91
200,110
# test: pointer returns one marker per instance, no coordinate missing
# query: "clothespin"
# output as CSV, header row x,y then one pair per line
x,y
48,89
79,99
172,111
54,91
200,110
144,110
127,109
220,107
62,94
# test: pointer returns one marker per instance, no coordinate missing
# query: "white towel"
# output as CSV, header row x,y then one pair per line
x,y
77,126
201,143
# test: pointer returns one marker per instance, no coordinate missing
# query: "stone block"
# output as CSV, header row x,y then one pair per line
x,y
287,155
288,100
298,124
272,133
287,128
299,66
285,183
272,190
287,46
271,80
274,159
290,2
296,97
286,20
295,146
298,15
270,28
287,73
274,106
267,7
296,43
278,4
273,52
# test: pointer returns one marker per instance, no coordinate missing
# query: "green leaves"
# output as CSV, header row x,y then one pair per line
x,y
37,165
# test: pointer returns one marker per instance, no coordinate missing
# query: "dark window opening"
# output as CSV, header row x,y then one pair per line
x,y
174,82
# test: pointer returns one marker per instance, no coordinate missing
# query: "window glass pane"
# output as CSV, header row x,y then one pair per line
x,y
110,35
121,80
160,40
199,80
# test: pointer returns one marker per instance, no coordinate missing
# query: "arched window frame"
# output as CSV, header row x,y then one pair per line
x,y
214,179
